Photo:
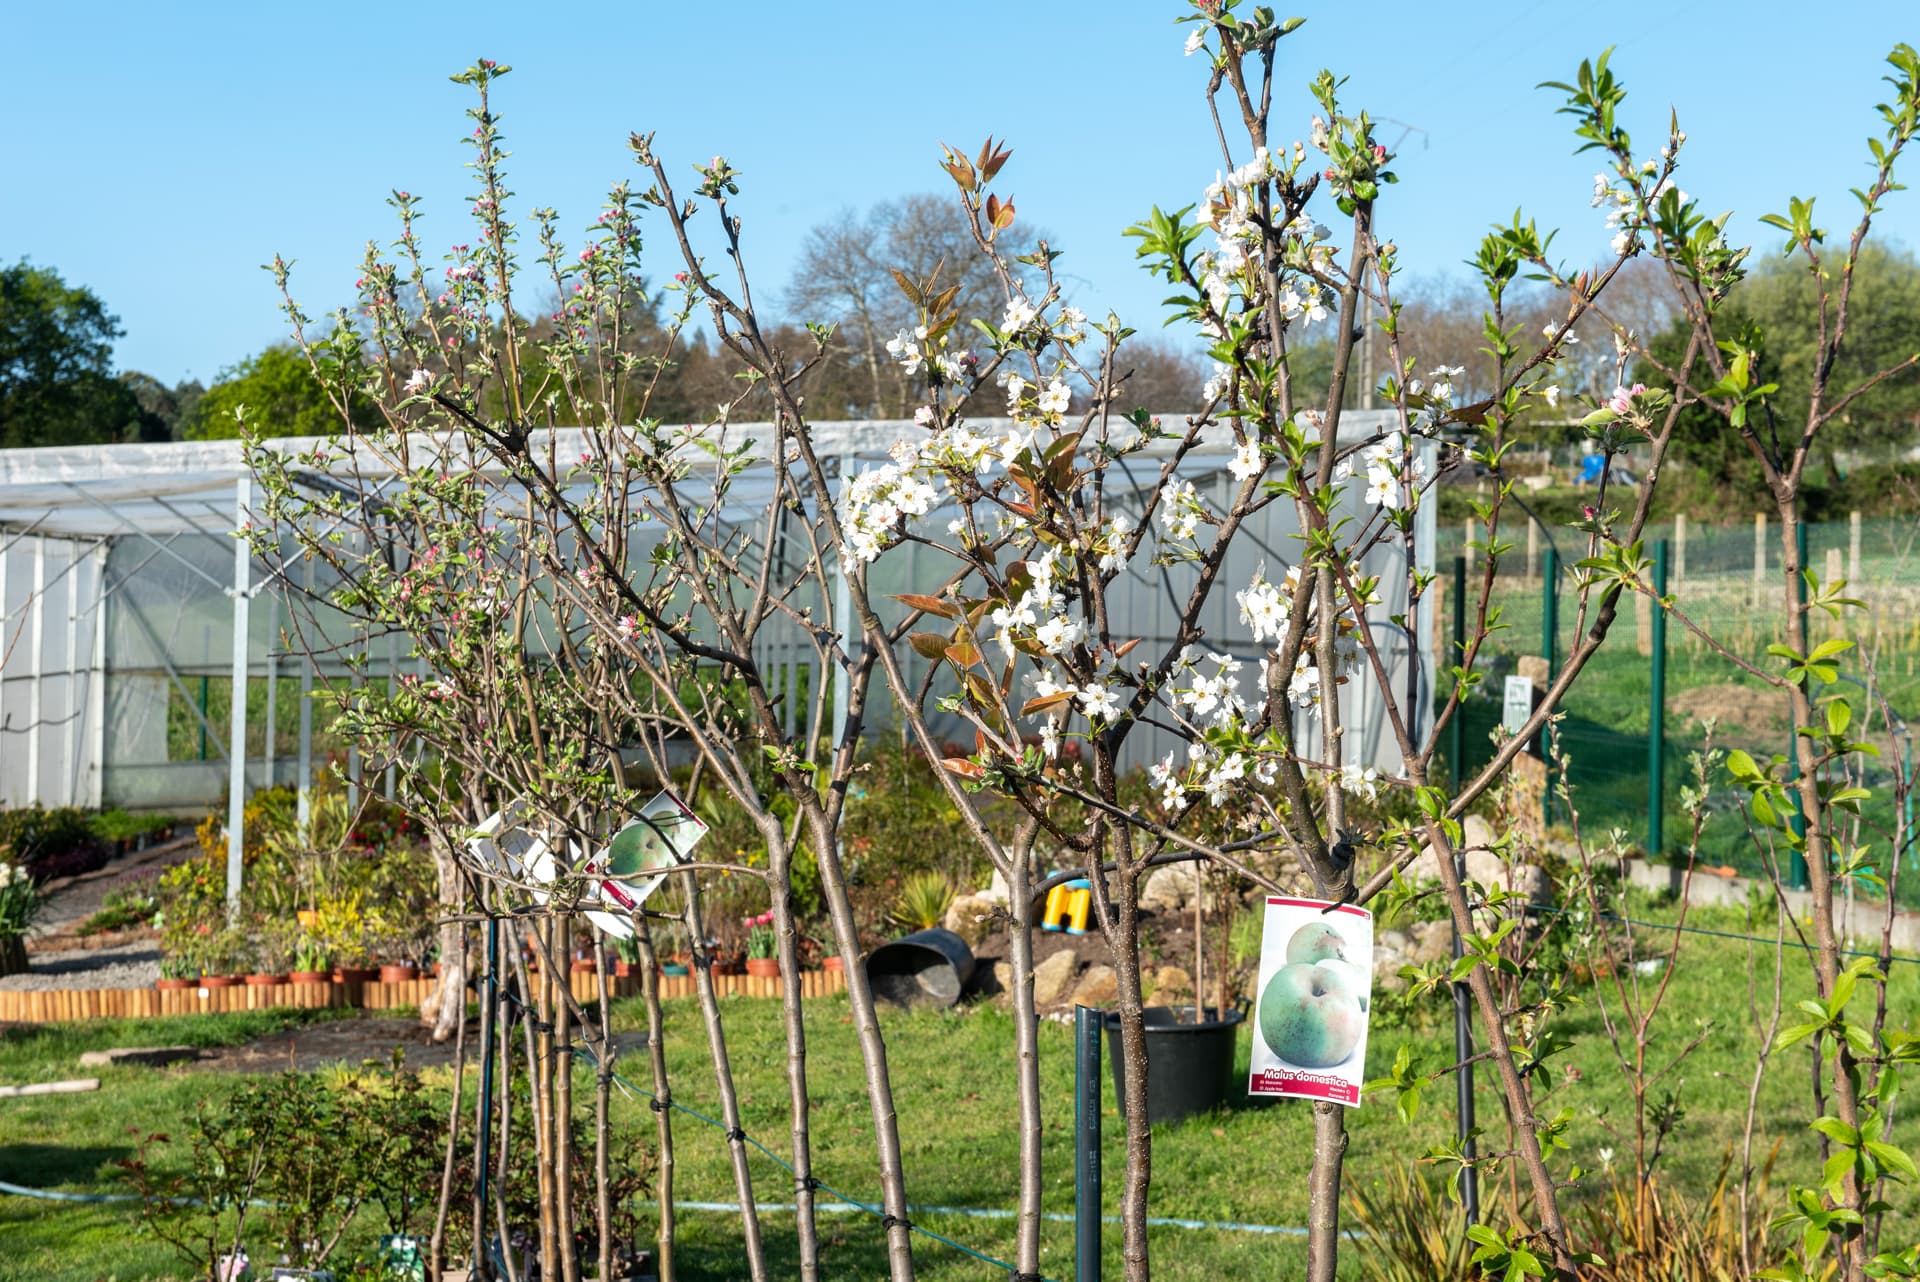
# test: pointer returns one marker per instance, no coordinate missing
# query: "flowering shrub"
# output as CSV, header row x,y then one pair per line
x,y
20,900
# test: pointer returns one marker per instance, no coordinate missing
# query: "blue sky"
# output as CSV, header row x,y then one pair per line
x,y
160,153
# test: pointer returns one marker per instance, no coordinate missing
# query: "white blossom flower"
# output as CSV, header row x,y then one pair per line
x,y
1059,633
1552,395
417,382
1246,462
1020,314
1196,41
1050,739
1056,398
1098,702
1361,781
905,348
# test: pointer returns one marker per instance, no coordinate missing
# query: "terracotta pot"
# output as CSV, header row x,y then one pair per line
x,y
763,967
622,970
431,971
308,977
166,985
219,981
834,964
265,981
729,966
354,974
581,967
398,972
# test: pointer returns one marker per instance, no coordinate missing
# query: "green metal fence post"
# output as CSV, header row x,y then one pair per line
x,y
1457,729
1549,650
1086,1145
1797,872
1656,711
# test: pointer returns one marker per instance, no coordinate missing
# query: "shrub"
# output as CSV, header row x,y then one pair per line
x,y
50,843
923,902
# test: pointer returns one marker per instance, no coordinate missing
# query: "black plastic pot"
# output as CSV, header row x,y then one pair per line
x,y
1189,1066
926,968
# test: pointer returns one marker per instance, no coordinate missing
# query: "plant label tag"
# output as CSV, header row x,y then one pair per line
x,y
1518,704
1315,1000
641,853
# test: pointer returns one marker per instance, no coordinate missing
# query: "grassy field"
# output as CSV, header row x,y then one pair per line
x,y
1246,1163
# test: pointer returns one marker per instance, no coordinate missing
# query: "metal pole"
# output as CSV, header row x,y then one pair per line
x,y
237,752
488,1006
36,624
273,687
1086,1144
1796,601
71,788
1656,711
97,680
303,806
1549,650
1456,729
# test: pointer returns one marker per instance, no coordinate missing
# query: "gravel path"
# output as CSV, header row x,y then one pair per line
x,y
134,965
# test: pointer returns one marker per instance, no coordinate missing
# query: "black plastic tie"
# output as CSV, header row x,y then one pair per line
x,y
658,1105
891,1222
737,1135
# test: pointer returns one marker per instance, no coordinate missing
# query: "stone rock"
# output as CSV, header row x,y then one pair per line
x,y
1168,889
1432,941
1097,987
1534,668
1171,984
1483,865
1052,977
148,1056
1002,978
971,918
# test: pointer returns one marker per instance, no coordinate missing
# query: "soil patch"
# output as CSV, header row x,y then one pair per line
x,y
337,1041
1733,708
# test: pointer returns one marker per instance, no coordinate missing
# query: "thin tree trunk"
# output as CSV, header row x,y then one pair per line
x,y
436,1248
663,1099
873,1055
560,955
787,932
1026,1049
723,1081
602,1101
447,1009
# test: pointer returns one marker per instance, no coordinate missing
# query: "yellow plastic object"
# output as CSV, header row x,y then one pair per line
x,y
1067,906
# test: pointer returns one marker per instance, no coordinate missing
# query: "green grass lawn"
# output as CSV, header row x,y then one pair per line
x,y
1246,1163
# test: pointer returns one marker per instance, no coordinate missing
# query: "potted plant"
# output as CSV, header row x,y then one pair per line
x,y
628,951
177,971
226,958
310,962
273,945
20,902
762,946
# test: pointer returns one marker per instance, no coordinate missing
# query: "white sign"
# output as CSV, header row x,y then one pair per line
x,y
1519,703
1316,997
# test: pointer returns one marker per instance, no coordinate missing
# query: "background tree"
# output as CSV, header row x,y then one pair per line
x,y
1777,312
846,277
164,411
56,364
281,398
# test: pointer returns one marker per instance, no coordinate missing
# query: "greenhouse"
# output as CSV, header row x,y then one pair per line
x,y
132,614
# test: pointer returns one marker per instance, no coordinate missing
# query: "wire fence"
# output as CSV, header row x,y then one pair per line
x,y
1729,598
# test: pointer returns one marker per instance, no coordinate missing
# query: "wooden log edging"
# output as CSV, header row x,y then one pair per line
x,y
68,1005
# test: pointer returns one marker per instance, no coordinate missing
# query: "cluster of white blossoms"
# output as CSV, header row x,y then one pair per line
x,y
1627,214
1394,473
1180,511
1208,696
874,500
905,348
